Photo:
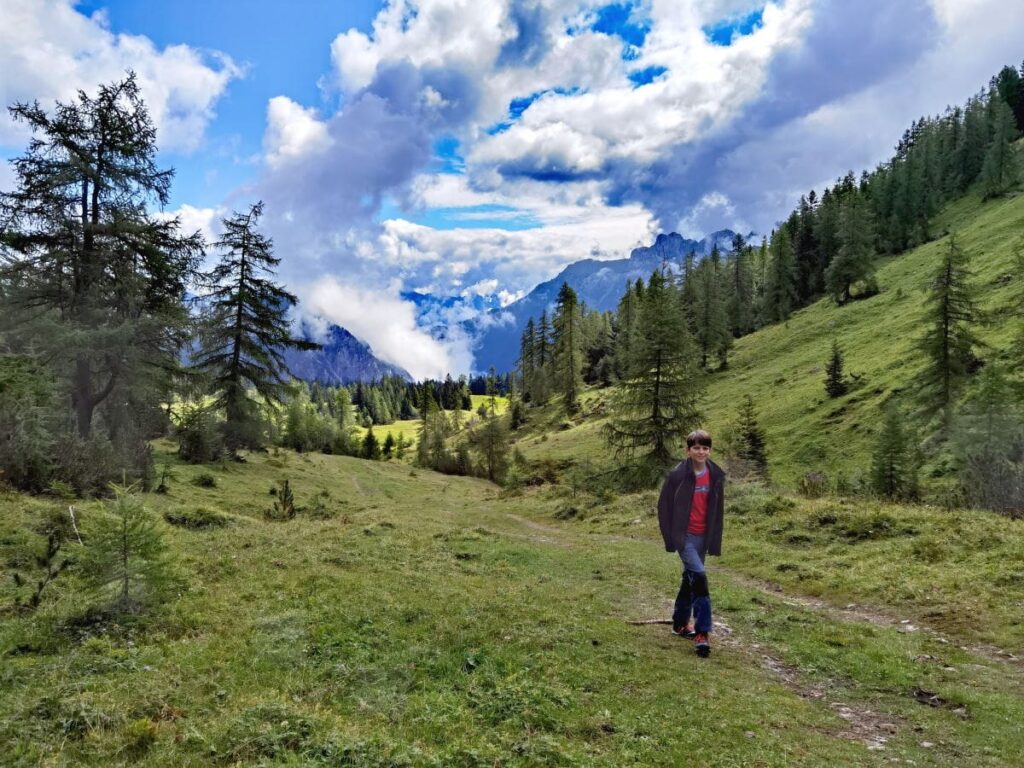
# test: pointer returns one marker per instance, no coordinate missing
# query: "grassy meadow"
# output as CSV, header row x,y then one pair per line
x,y
407,618
410,428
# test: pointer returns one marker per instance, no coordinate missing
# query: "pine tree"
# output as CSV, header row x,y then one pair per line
x,y
855,261
345,442
91,279
712,331
991,422
371,446
400,446
1009,85
750,437
810,276
568,357
741,297
974,141
949,342
246,329
1000,170
625,332
657,402
835,383
428,419
389,446
893,468
780,287
527,355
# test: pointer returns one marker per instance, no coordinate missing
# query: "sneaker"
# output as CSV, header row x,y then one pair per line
x,y
701,645
684,631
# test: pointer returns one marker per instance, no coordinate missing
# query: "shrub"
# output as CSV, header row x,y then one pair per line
x,y
48,565
196,518
27,424
88,465
814,485
205,480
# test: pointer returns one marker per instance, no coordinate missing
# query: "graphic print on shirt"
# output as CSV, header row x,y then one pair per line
x,y
699,506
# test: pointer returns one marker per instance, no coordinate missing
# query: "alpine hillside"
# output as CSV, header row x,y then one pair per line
x,y
598,284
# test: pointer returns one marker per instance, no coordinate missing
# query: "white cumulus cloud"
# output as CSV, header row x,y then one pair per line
x,y
292,131
48,50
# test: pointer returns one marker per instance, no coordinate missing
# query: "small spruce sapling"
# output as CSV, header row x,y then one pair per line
x,y
835,381
751,442
284,505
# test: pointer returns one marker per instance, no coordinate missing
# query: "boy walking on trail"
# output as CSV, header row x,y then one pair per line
x,y
690,511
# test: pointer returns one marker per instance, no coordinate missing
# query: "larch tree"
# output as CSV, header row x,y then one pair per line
x,y
568,354
1001,168
246,329
949,342
92,278
656,404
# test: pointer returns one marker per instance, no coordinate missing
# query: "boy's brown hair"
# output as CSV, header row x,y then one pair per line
x,y
698,437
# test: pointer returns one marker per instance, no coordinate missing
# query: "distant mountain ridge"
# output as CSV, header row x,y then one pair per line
x,y
344,359
599,285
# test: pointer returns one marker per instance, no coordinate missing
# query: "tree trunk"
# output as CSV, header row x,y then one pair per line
x,y
81,397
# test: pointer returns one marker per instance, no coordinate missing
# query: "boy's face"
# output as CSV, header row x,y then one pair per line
x,y
698,453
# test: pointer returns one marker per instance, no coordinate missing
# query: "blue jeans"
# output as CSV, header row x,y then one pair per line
x,y
693,591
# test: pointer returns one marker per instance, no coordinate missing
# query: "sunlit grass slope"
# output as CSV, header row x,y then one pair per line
x,y
782,366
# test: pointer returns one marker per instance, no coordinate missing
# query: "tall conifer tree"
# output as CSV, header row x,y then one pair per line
x,y
855,261
82,255
1001,168
949,342
741,295
568,355
246,329
657,402
835,382
780,285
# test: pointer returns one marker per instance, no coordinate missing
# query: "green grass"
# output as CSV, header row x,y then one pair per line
x,y
410,618
782,366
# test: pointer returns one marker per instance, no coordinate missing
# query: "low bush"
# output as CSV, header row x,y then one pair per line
x,y
205,480
196,518
814,485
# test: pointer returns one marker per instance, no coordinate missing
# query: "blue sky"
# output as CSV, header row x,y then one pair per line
x,y
472,149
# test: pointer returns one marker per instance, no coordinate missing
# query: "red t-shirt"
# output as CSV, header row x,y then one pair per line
x,y
699,506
